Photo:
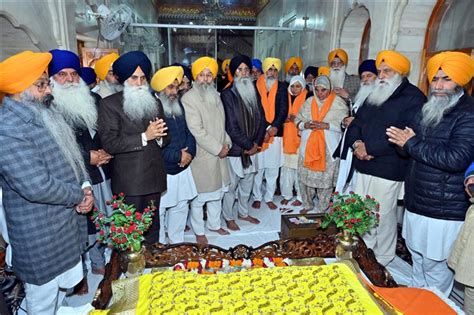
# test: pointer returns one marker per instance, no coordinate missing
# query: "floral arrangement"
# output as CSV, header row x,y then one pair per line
x,y
125,227
352,213
204,266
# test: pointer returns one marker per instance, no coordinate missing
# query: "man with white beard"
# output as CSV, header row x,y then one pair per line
x,y
381,169
293,67
245,124
132,129
368,75
345,85
108,84
441,148
177,155
274,99
206,120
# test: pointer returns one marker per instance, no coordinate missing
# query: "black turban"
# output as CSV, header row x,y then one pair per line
x,y
237,60
187,71
126,65
367,65
311,70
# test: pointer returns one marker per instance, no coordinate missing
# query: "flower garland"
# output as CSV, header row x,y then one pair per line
x,y
204,266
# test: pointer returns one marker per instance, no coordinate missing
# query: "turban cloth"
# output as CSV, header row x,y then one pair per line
x,y
202,63
367,65
225,63
311,70
166,76
323,70
88,75
187,71
340,53
322,81
237,60
257,64
63,59
271,62
128,63
296,78
103,65
290,62
20,71
394,60
458,66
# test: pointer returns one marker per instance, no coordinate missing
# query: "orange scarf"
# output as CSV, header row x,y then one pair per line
x,y
291,139
315,155
268,103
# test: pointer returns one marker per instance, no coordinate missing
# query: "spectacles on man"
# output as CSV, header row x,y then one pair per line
x,y
42,85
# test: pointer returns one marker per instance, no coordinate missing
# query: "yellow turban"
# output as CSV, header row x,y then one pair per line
x,y
323,70
394,60
166,76
202,63
225,63
458,66
103,65
292,61
271,62
340,53
20,71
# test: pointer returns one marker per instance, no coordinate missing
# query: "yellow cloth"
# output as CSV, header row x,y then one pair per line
x,y
340,53
458,66
269,62
394,60
323,70
293,60
225,64
103,65
20,71
202,63
166,76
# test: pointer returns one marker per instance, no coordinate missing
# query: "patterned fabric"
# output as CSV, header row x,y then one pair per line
x,y
39,193
352,85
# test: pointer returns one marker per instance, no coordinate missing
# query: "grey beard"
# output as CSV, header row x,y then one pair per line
x,y
382,91
138,102
436,106
207,92
247,92
114,88
269,83
360,97
170,108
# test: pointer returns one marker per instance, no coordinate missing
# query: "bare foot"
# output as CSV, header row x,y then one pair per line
x,y
250,219
304,211
296,203
221,231
256,204
284,202
201,239
231,225
272,205
187,228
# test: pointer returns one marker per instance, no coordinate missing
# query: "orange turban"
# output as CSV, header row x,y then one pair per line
x,y
166,76
202,63
20,71
323,70
103,65
394,60
458,66
225,64
271,62
292,61
340,53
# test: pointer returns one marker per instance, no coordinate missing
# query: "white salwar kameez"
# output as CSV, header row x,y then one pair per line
x,y
289,176
213,202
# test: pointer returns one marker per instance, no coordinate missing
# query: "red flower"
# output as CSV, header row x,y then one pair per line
x,y
114,197
122,194
336,193
112,228
353,221
115,206
128,213
349,226
146,210
138,215
102,232
124,239
119,230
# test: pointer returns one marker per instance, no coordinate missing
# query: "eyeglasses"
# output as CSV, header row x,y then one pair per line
x,y
43,85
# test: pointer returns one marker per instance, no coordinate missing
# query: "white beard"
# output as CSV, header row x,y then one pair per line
x,y
247,92
269,83
207,92
337,76
360,97
138,102
75,102
383,90
114,88
170,107
434,109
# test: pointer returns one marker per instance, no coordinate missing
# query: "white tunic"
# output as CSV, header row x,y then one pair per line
x,y
180,187
271,157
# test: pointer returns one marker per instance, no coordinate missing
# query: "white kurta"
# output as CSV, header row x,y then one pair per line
x,y
180,187
271,157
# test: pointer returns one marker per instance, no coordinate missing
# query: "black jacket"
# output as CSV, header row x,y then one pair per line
x,y
281,108
434,186
370,126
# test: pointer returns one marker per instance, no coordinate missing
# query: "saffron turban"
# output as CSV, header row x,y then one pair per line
x,y
257,63
271,62
340,53
458,66
128,63
237,60
367,65
323,70
63,59
290,62
166,76
88,75
225,63
311,70
186,70
202,63
20,71
103,65
394,60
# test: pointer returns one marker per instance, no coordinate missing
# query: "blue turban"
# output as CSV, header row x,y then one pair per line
x,y
88,75
257,64
311,70
187,71
126,65
63,59
367,65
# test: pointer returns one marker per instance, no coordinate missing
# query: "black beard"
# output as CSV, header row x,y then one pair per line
x,y
47,100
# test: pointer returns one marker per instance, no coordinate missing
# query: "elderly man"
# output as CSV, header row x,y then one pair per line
x,y
108,84
293,67
319,121
256,70
206,120
297,95
41,171
177,155
246,125
381,169
441,148
368,75
345,85
274,99
132,129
